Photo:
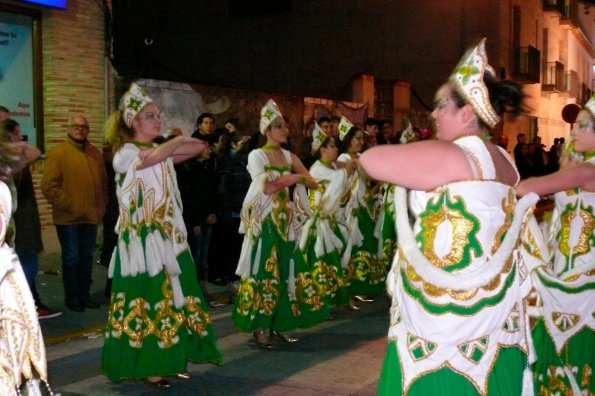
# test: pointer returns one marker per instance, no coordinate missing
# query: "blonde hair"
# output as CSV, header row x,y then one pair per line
x,y
115,132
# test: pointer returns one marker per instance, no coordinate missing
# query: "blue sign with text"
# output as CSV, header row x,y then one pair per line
x,y
49,3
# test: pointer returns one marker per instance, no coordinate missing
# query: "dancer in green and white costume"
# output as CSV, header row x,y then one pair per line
x,y
385,222
158,318
366,274
22,350
266,296
385,230
385,225
458,324
564,334
322,242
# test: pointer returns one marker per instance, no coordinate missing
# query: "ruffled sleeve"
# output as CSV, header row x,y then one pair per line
x,y
125,158
344,157
251,213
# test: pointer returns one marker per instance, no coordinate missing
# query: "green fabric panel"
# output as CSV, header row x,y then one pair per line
x,y
505,379
367,273
121,361
247,312
328,279
578,354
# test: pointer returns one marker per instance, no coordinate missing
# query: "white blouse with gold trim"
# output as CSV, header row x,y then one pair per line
x,y
459,276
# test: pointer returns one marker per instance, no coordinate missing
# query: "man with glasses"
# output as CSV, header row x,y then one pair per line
x,y
75,184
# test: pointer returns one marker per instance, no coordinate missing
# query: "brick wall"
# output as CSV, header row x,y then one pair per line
x,y
74,77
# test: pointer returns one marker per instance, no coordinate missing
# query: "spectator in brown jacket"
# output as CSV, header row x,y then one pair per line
x,y
75,183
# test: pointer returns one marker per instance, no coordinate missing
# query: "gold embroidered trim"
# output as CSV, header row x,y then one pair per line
x,y
465,295
565,321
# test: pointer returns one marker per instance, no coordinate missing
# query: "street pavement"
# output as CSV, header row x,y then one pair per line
x,y
339,357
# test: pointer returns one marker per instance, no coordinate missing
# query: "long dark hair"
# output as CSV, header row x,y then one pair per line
x,y
505,97
344,144
303,149
324,144
8,128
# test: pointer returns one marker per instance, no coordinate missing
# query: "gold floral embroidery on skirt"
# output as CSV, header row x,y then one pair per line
x,y
197,319
136,324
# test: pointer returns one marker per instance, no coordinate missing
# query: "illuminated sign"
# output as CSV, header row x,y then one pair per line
x,y
49,3
16,70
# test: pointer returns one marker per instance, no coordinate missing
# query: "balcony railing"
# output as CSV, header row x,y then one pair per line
x,y
526,62
571,84
553,77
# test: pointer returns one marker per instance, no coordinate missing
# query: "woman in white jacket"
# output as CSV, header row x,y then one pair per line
x,y
22,351
564,335
458,323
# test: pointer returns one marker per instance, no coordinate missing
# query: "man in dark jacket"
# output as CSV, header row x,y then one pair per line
x,y
197,182
520,156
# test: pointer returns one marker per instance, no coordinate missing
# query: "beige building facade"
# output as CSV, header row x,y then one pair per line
x,y
563,33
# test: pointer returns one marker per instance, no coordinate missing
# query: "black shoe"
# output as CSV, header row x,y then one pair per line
x,y
90,304
75,306
220,282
